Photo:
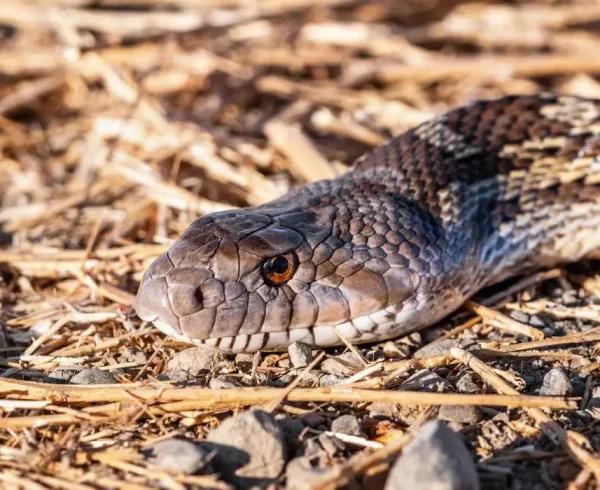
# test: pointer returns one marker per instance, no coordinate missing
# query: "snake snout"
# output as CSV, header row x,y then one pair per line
x,y
169,294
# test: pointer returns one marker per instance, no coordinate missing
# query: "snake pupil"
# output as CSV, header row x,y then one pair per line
x,y
280,265
280,269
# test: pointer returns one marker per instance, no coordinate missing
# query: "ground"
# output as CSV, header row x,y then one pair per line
x,y
123,120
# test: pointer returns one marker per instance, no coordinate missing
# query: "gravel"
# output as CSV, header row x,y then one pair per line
x,y
347,424
63,374
556,383
179,455
467,384
436,459
459,413
93,376
426,380
344,365
190,363
441,348
300,354
250,449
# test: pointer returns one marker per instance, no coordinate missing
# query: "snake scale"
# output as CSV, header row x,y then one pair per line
x,y
417,226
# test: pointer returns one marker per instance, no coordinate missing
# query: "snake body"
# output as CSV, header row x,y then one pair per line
x,y
417,226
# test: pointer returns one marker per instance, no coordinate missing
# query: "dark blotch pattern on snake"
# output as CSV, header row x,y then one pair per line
x,y
416,227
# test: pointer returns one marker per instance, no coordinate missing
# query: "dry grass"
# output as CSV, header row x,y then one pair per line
x,y
123,120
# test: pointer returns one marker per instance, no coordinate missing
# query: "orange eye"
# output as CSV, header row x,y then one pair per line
x,y
279,269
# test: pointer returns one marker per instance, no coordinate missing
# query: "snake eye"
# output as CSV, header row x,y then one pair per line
x,y
279,269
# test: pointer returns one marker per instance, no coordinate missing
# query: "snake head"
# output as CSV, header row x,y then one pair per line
x,y
264,277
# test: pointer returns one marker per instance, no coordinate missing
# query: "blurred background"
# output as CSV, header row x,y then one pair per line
x,y
122,120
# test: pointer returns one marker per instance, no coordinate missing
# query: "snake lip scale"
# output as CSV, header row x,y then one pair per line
x,y
416,227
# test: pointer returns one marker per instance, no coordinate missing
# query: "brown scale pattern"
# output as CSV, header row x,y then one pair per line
x,y
417,226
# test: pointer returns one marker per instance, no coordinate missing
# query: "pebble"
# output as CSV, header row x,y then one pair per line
x,y
436,459
221,382
548,332
520,316
300,354
343,365
380,409
539,321
178,455
556,383
300,474
190,363
347,424
466,384
93,376
330,380
309,380
441,348
249,449
426,380
459,413
63,374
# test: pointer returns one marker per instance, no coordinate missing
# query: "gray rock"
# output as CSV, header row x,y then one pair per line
x,y
250,449
441,348
548,332
539,321
556,383
436,459
178,455
221,382
300,354
466,384
330,380
302,474
63,374
190,363
343,365
460,413
381,409
347,424
93,376
520,316
427,381
310,379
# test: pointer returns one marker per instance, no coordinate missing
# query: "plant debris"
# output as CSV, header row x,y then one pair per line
x,y
121,121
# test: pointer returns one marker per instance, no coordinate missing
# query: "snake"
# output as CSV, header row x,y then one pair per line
x,y
415,228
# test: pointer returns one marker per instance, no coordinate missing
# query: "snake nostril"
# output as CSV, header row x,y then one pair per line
x,y
198,295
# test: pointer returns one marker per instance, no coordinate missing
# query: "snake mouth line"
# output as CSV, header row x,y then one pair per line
x,y
316,336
